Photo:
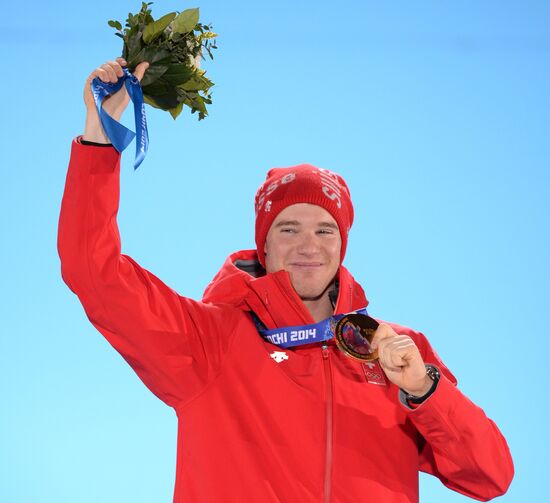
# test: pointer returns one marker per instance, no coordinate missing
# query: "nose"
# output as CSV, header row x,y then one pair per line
x,y
309,244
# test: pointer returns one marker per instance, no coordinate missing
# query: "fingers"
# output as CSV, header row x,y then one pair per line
x,y
382,332
394,351
108,72
140,69
113,70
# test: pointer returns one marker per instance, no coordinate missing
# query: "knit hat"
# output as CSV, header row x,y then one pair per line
x,y
302,184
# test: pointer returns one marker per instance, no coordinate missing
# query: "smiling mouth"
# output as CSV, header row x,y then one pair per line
x,y
306,265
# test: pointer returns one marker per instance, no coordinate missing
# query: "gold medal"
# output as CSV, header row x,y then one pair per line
x,y
354,334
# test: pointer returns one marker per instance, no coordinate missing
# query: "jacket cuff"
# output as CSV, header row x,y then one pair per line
x,y
94,159
93,143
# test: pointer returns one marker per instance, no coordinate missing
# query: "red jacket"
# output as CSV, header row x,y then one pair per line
x,y
310,428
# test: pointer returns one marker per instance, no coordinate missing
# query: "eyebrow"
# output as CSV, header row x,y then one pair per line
x,y
284,223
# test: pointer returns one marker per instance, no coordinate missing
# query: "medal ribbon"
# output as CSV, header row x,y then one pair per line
x,y
120,135
297,335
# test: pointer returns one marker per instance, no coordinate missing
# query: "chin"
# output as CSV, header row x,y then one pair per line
x,y
310,293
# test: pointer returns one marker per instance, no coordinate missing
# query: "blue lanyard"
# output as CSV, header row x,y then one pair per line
x,y
120,135
297,335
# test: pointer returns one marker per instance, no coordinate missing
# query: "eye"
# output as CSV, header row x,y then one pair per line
x,y
326,231
288,230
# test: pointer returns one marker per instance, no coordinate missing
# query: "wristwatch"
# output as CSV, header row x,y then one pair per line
x,y
433,373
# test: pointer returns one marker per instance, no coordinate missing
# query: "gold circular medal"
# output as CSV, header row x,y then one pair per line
x,y
354,333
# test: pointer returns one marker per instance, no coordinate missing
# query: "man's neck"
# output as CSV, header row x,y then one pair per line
x,y
320,308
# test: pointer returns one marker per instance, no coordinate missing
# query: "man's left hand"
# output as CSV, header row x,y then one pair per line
x,y
401,361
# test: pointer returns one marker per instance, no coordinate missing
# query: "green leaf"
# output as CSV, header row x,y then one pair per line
x,y
164,101
198,82
185,21
201,106
132,19
174,112
153,55
208,34
150,101
154,29
153,73
159,89
178,74
114,24
133,42
192,85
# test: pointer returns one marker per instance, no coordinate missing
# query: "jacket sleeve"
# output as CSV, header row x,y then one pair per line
x,y
459,444
173,343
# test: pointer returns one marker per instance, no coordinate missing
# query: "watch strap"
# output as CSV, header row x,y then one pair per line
x,y
433,373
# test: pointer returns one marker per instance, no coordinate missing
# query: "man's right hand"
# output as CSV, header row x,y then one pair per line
x,y
114,105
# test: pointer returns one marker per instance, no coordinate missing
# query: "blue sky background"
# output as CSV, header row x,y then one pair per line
x,y
435,112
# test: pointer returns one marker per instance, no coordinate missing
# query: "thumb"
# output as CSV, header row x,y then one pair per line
x,y
140,69
382,332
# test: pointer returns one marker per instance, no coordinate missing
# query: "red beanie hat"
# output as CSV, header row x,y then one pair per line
x,y
302,184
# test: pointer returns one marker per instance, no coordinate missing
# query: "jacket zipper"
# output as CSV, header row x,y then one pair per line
x,y
328,458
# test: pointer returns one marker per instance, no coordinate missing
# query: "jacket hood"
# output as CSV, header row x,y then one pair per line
x,y
243,283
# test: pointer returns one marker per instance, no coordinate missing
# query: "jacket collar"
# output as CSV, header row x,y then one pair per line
x,y
242,283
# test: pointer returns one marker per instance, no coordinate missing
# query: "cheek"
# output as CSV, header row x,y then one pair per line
x,y
269,263
274,254
335,248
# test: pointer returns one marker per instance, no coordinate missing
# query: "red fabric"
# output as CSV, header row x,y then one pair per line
x,y
304,183
307,429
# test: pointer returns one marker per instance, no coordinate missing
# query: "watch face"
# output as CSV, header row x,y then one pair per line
x,y
354,334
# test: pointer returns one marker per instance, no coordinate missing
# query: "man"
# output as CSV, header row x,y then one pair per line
x,y
258,422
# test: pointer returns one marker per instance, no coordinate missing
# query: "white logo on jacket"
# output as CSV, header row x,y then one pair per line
x,y
279,356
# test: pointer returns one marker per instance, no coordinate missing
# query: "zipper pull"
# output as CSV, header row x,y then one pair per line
x,y
324,349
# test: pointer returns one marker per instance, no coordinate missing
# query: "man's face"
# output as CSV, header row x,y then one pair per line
x,y
304,240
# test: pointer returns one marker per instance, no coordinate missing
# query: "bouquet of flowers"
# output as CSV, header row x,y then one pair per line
x,y
173,46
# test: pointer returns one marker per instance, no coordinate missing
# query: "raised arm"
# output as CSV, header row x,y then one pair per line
x,y
173,343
